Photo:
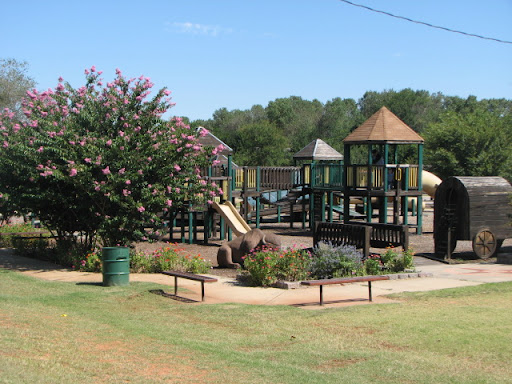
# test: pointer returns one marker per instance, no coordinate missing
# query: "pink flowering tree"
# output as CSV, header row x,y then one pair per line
x,y
100,160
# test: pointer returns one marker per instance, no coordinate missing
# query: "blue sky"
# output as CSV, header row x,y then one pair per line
x,y
237,53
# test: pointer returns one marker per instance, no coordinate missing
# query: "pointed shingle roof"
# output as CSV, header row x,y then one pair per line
x,y
209,139
383,126
318,150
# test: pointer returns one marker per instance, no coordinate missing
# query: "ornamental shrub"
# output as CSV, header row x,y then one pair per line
x,y
100,160
336,261
267,265
392,261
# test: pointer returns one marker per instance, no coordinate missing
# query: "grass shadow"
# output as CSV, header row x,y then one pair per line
x,y
161,292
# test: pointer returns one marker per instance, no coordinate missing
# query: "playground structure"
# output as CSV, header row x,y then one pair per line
x,y
324,185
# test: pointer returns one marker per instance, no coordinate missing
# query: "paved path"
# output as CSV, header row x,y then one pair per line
x,y
230,291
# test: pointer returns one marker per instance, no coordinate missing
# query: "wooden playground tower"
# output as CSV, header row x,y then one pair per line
x,y
380,182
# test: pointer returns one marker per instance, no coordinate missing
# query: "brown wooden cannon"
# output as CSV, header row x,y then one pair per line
x,y
472,208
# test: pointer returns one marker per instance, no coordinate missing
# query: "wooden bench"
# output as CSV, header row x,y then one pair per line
x,y
362,235
343,234
388,235
190,276
344,280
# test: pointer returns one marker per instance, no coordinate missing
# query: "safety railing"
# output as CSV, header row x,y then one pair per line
x,y
387,176
265,178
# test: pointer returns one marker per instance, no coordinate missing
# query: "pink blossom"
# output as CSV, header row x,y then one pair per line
x,y
88,160
121,133
141,209
169,203
122,170
126,192
177,167
140,172
73,172
109,142
106,171
6,144
128,182
40,149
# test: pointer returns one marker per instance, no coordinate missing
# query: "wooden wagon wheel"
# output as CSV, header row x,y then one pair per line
x,y
485,244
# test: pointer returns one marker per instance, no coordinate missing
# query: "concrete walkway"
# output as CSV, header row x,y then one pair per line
x,y
230,291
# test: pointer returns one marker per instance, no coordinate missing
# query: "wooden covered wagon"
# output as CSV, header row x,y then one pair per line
x,y
472,208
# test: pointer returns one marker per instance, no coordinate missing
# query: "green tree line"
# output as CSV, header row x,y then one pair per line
x,y
463,136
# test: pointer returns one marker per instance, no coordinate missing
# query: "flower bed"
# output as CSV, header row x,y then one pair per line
x,y
266,266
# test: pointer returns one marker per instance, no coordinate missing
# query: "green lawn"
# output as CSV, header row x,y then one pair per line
x,y
55,332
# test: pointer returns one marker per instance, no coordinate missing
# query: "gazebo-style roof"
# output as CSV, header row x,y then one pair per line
x,y
318,150
383,127
211,140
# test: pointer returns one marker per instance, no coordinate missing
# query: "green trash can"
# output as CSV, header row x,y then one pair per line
x,y
116,266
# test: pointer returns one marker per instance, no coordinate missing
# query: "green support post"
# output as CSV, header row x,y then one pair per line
x,y
190,224
258,189
420,188
278,196
405,205
330,197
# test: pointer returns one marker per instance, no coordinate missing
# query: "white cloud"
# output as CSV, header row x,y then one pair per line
x,y
200,29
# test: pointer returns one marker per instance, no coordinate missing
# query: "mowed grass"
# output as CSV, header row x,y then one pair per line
x,y
54,332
